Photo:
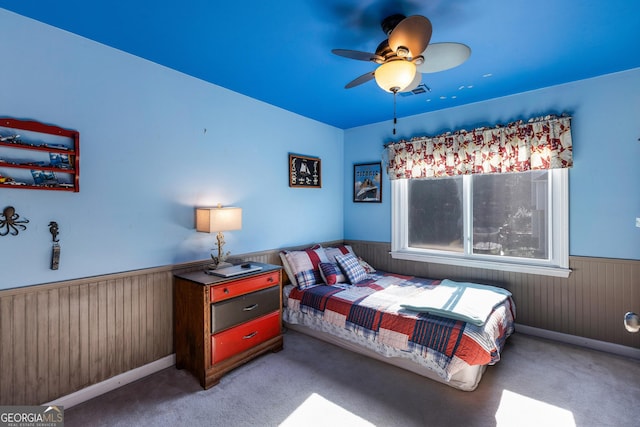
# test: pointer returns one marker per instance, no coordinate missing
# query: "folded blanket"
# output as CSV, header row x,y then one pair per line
x,y
470,302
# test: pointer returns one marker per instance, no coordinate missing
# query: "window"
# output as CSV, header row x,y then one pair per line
x,y
506,221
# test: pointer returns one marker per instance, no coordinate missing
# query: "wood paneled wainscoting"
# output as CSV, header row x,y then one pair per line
x,y
590,303
60,338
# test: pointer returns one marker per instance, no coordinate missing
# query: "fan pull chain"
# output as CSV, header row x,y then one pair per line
x,y
395,120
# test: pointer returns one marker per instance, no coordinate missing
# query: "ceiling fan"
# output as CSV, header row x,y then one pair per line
x,y
406,54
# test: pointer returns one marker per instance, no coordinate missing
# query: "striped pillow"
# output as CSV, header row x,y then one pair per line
x,y
331,273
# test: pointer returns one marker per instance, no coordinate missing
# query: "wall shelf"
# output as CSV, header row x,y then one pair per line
x,y
37,156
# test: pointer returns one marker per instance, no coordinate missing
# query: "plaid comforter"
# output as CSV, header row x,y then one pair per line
x,y
370,314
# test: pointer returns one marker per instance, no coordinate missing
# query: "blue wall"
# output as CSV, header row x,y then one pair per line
x,y
604,197
147,161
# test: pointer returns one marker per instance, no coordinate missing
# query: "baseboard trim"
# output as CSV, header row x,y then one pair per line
x,y
113,383
620,350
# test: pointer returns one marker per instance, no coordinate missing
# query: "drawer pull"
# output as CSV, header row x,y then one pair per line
x,y
251,335
270,279
226,291
250,307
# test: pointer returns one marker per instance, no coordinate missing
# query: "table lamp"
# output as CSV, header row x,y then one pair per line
x,y
216,220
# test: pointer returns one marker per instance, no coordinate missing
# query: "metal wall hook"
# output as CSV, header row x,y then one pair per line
x,y
53,229
55,251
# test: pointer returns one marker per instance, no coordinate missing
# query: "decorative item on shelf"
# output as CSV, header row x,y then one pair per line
x,y
40,157
304,171
55,252
217,220
10,222
367,182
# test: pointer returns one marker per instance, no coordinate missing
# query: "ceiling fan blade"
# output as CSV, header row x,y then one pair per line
x,y
359,55
360,80
413,33
443,56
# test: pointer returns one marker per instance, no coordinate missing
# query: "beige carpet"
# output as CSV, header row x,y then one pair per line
x,y
311,383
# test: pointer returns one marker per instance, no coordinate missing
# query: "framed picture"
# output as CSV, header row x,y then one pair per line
x,y
367,183
304,171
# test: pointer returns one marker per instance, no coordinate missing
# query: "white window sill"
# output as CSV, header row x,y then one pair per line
x,y
544,270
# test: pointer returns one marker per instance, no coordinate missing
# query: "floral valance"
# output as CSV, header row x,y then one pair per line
x,y
540,143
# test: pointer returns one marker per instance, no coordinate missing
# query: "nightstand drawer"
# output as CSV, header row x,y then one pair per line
x,y
243,337
244,286
234,311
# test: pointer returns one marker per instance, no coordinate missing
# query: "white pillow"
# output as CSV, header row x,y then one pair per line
x,y
338,250
287,268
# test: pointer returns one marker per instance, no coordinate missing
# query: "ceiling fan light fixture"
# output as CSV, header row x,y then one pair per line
x,y
414,84
395,76
402,52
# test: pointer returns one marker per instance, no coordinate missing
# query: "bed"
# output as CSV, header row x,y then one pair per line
x,y
444,330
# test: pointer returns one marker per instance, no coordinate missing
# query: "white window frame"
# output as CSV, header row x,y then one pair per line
x,y
556,265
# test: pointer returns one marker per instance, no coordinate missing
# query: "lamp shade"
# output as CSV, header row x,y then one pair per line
x,y
213,220
395,76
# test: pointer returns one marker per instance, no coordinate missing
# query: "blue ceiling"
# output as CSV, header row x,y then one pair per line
x,y
280,51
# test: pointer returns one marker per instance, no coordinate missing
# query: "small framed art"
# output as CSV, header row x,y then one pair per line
x,y
367,183
304,171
